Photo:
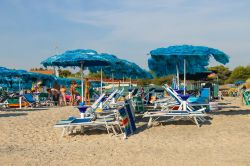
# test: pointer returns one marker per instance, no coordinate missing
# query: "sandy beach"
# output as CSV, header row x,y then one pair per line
x,y
29,138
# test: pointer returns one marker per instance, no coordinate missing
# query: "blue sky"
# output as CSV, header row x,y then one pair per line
x,y
32,30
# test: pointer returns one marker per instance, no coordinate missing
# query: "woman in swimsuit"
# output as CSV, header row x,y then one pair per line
x,y
63,96
73,92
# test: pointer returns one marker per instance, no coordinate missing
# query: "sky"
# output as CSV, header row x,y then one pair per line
x,y
33,30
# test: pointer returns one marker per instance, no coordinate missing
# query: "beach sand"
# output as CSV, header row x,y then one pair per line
x,y
28,138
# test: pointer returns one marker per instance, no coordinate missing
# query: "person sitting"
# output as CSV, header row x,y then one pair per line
x,y
54,94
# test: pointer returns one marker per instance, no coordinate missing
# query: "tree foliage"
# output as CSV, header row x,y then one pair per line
x,y
144,82
162,80
222,72
97,75
239,73
156,80
64,73
38,69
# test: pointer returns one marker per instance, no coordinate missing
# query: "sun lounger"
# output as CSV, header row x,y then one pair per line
x,y
122,118
188,112
106,103
246,96
14,102
91,109
45,100
175,115
180,101
3,101
31,100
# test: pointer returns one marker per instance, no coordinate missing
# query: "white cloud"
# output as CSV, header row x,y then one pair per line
x,y
136,27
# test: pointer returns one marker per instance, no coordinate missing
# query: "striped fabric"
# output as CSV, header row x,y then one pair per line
x,y
127,120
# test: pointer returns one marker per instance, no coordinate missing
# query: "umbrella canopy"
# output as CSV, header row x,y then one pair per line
x,y
50,60
68,58
76,58
11,73
163,61
37,76
66,81
9,76
239,82
121,68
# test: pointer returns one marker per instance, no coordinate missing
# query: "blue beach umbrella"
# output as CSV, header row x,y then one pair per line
x,y
78,58
23,76
120,68
239,82
37,76
12,77
165,61
49,61
66,81
8,72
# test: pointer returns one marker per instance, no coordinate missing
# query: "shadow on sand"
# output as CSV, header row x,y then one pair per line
x,y
231,106
23,109
232,112
160,121
12,115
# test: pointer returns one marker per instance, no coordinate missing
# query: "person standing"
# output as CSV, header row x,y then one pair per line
x,y
86,92
243,89
63,96
73,92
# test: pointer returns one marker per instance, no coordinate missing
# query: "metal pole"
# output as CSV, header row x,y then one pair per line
x,y
54,68
101,80
113,80
178,77
130,82
184,76
19,84
82,80
20,98
123,80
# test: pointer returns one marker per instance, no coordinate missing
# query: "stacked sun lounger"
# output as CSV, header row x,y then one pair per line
x,y
120,121
184,111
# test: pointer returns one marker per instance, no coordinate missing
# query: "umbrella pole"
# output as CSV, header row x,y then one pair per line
x,y
184,76
54,69
123,80
178,77
82,80
20,98
113,80
101,80
130,82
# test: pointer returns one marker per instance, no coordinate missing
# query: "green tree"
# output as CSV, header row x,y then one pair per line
x,y
64,73
144,82
76,75
222,72
239,73
162,80
97,75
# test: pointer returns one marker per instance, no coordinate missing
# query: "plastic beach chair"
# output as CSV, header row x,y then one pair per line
x,y
69,125
188,113
106,103
90,110
44,99
122,119
31,100
246,96
4,101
